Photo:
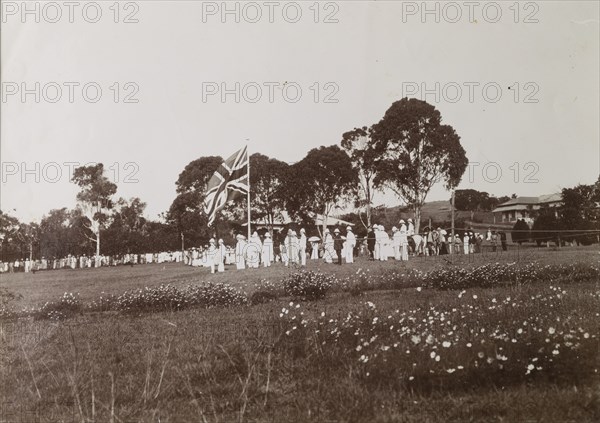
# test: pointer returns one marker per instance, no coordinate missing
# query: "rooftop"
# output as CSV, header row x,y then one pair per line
x,y
521,203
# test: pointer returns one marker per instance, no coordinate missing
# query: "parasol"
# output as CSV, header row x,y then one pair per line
x,y
314,239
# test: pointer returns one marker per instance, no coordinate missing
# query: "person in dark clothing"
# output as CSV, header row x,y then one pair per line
x,y
503,240
338,244
277,241
371,243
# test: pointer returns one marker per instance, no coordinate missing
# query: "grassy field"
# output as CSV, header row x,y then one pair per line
x,y
508,354
90,283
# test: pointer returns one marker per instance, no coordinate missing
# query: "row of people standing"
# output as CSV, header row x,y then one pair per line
x,y
404,242
439,243
293,249
87,262
381,246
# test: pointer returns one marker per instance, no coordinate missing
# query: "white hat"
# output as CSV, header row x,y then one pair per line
x,y
302,231
336,230
349,228
381,227
255,233
267,235
394,229
409,219
326,231
212,240
220,240
402,221
294,233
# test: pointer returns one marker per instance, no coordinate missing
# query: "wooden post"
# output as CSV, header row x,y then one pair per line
x,y
451,243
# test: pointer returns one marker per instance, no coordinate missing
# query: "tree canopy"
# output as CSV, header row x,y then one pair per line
x,y
186,213
267,194
415,151
357,144
323,180
95,198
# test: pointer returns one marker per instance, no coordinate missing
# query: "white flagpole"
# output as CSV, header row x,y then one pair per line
x,y
248,196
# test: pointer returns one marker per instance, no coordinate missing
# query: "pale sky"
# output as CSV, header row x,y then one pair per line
x,y
373,56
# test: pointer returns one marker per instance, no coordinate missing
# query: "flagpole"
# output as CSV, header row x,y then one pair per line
x,y
248,196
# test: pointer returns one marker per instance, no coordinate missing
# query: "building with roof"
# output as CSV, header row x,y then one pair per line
x,y
525,207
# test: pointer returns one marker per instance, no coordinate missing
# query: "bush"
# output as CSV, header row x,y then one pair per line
x,y
161,298
308,285
261,297
520,232
484,276
170,298
68,306
6,299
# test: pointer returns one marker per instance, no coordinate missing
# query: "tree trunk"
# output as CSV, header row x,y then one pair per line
x,y
98,233
368,206
325,216
417,210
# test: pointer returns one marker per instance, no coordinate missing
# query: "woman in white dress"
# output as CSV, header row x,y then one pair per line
x,y
209,257
285,248
329,253
294,248
396,242
196,261
350,244
314,255
254,249
302,247
240,252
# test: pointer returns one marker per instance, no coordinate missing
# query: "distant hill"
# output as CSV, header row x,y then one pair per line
x,y
440,212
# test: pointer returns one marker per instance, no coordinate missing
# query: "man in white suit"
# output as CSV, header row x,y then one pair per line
x,y
403,241
267,250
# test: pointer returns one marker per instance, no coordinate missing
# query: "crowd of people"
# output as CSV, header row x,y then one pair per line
x,y
290,248
295,248
88,262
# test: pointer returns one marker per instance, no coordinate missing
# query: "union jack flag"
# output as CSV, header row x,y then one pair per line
x,y
229,182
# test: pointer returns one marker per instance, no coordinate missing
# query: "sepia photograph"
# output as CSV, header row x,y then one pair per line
x,y
301,211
